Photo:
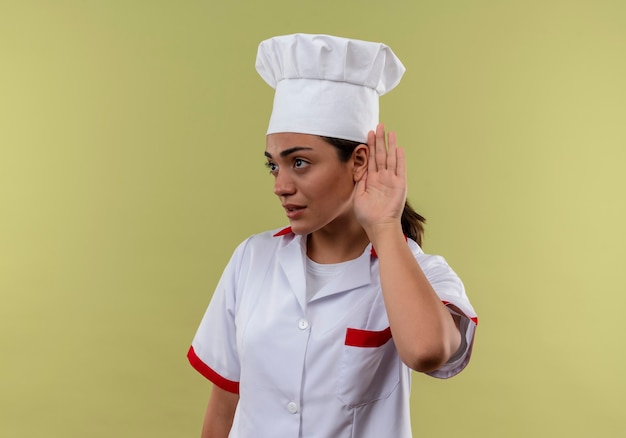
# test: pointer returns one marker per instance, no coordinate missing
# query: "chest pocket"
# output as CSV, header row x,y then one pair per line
x,y
369,367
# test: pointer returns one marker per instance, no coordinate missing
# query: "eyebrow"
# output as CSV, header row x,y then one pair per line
x,y
290,151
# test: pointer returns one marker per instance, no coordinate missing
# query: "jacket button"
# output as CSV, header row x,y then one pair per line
x,y
303,324
292,407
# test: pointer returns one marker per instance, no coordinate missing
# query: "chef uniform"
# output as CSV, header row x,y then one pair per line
x,y
308,347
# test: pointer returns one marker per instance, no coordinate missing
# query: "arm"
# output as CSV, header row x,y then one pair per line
x,y
220,412
425,333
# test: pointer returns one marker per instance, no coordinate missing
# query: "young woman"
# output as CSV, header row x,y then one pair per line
x,y
314,329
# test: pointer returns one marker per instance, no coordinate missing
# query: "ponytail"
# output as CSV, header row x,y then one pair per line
x,y
412,223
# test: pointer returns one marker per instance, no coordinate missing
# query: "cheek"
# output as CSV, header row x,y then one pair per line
x,y
332,186
338,186
344,179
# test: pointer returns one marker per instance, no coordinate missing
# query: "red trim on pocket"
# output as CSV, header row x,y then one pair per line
x,y
206,371
367,338
473,318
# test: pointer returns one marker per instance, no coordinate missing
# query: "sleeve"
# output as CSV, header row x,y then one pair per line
x,y
451,291
213,352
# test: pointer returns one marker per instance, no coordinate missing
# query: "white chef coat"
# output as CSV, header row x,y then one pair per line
x,y
327,368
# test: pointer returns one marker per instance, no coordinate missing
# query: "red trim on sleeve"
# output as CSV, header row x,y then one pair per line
x,y
367,338
283,232
473,318
206,371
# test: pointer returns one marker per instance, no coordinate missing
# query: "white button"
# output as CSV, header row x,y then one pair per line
x,y
292,407
303,324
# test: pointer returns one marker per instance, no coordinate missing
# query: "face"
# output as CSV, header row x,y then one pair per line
x,y
314,187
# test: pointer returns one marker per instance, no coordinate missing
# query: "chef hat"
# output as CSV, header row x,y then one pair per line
x,y
326,85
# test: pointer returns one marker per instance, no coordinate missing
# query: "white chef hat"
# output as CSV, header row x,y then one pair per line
x,y
326,85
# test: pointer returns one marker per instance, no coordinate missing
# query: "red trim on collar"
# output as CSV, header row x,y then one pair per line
x,y
288,230
283,232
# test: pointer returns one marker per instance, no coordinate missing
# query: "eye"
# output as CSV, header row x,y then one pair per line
x,y
273,167
299,163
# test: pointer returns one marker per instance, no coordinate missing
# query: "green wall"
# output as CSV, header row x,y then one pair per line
x,y
131,141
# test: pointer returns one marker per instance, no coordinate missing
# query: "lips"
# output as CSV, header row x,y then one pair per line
x,y
293,211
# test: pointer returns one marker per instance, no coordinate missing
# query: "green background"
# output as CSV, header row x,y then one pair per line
x,y
131,142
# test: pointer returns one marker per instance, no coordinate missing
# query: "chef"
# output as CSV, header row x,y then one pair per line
x,y
314,329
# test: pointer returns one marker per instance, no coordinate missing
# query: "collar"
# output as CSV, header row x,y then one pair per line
x,y
288,230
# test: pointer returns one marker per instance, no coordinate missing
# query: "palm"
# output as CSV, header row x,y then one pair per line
x,y
381,193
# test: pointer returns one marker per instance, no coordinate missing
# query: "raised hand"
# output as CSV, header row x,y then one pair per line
x,y
381,193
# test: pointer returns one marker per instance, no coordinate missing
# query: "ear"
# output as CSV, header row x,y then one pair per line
x,y
360,157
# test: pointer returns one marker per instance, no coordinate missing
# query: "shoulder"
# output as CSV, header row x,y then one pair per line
x,y
255,254
433,265
267,241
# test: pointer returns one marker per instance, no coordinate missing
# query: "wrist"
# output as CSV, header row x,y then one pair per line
x,y
385,233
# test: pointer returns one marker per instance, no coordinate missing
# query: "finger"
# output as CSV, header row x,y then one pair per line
x,y
401,164
371,159
391,152
381,148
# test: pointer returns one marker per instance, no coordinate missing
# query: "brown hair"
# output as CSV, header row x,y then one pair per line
x,y
412,222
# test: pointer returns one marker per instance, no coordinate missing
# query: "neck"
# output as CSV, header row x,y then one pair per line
x,y
337,242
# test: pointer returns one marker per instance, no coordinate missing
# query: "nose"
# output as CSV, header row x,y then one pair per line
x,y
283,185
